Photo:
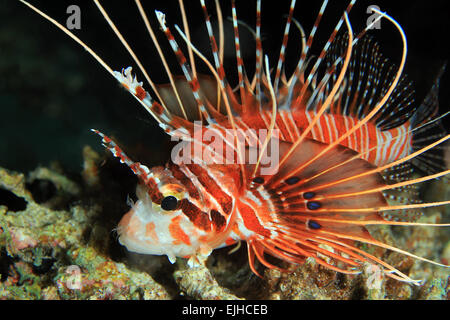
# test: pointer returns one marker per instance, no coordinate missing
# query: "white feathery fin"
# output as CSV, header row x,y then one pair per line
x,y
208,90
131,52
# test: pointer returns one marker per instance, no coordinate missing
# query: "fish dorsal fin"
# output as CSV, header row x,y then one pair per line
x,y
368,78
208,93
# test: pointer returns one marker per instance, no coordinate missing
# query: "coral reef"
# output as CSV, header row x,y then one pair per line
x,y
48,252
56,229
57,242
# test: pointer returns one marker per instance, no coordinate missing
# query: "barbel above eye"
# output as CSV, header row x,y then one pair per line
x,y
169,203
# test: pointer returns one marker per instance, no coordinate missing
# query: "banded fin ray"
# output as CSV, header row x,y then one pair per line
x,y
308,223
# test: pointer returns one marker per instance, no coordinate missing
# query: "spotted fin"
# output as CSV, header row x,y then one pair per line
x,y
429,128
368,78
322,209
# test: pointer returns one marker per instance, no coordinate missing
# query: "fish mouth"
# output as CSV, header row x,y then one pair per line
x,y
134,246
128,231
132,232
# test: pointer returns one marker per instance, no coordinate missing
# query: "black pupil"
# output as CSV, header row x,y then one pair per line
x,y
258,180
169,203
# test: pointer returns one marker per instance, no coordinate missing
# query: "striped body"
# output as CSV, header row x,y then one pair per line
x,y
338,144
218,211
347,141
373,143
330,152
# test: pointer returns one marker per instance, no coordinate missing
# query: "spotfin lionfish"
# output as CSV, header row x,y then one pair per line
x,y
347,133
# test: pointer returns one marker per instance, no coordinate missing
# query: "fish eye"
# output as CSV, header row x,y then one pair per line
x,y
169,203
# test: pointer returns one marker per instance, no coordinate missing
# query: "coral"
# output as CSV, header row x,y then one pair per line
x,y
199,283
57,242
40,245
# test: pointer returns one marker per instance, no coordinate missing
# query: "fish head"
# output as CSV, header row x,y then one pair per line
x,y
163,220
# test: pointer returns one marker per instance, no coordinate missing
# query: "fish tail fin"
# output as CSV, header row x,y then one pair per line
x,y
427,127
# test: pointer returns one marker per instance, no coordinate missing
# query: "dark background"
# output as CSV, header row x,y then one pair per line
x,y
52,92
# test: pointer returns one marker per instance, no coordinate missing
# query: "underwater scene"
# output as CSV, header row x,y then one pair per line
x,y
351,99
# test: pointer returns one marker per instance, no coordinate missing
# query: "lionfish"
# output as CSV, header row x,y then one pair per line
x,y
343,124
